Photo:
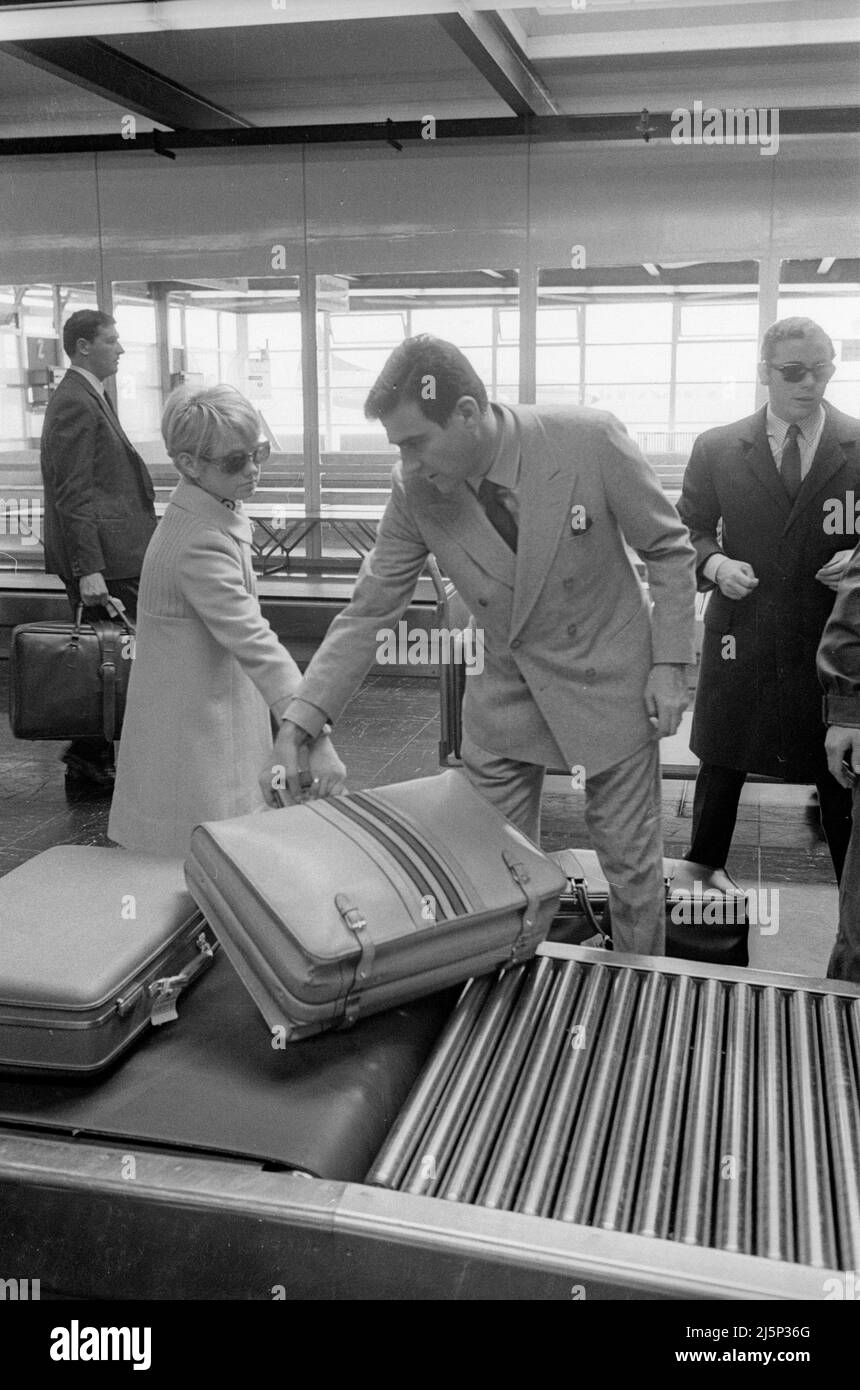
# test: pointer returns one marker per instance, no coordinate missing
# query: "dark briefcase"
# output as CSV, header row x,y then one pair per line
x,y
69,680
707,917
95,944
341,907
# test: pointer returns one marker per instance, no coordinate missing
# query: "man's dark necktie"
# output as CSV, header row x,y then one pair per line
x,y
789,467
490,498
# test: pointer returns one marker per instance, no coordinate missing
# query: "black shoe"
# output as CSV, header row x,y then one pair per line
x,y
81,774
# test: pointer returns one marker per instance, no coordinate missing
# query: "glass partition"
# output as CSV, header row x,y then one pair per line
x,y
245,333
32,360
827,289
361,318
669,349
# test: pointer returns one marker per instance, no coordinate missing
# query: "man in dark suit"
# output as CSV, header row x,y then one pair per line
x,y
770,483
99,510
839,673
528,509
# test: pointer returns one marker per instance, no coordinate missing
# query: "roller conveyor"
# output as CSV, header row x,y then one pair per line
x,y
715,1109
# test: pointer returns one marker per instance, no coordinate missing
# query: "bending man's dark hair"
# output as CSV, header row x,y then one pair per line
x,y
85,323
429,372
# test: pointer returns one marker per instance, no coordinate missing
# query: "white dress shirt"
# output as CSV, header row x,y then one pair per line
x,y
93,380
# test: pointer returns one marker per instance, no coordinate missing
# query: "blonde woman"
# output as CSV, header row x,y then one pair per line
x,y
208,669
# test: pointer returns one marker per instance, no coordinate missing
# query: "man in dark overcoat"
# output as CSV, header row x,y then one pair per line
x,y
770,503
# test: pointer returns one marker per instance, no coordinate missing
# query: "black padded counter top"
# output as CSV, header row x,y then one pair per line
x,y
212,1082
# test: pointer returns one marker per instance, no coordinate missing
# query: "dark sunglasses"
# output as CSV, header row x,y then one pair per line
x,y
235,462
797,371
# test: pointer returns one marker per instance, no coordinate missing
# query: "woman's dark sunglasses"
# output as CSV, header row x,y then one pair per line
x,y
235,462
797,371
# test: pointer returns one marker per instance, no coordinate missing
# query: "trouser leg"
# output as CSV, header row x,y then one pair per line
x,y
97,750
835,806
844,961
623,813
715,811
514,788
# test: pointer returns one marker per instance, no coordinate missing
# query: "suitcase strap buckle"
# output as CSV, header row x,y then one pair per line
x,y
355,922
522,878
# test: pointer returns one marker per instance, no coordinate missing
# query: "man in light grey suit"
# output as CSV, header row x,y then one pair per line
x,y
527,510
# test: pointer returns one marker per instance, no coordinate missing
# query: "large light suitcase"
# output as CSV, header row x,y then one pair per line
x,y
353,904
707,917
95,944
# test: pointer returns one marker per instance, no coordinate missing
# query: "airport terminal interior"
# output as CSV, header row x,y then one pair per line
x,y
275,196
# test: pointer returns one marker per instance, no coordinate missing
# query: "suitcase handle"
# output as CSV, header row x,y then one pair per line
x,y
167,990
107,634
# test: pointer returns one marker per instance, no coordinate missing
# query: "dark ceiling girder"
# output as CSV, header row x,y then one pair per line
x,y
98,68
486,43
818,120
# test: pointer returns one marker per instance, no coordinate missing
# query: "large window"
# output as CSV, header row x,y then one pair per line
x,y
670,350
31,356
361,318
827,290
243,333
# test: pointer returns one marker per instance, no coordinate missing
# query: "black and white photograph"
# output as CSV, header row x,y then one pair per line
x,y
430,662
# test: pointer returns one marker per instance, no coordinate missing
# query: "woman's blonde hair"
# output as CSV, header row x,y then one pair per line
x,y
193,422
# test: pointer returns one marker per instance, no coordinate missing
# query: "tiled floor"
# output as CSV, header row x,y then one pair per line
x,y
390,733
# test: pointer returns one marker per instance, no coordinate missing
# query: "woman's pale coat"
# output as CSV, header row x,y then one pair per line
x,y
208,669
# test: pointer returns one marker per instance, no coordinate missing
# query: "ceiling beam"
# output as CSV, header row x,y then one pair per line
x,y
109,74
644,39
793,121
490,46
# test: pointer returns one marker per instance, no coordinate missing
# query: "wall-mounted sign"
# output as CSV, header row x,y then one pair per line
x,y
258,377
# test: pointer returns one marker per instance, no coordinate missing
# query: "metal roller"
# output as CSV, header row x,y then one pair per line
x,y
652,1213
773,1155
843,1123
547,1158
816,1234
591,1135
699,1160
735,1180
405,1136
657,1099
428,1161
618,1186
514,1145
465,1170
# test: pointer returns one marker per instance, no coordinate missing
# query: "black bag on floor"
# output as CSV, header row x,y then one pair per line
x,y
706,911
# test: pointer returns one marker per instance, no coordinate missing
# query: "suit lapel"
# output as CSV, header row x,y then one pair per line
x,y
464,521
761,463
829,458
546,486
103,405
113,420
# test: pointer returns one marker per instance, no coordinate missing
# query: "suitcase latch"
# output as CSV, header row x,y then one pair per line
x,y
167,990
354,920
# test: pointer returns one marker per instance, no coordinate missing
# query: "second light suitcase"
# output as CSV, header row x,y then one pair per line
x,y
95,944
353,904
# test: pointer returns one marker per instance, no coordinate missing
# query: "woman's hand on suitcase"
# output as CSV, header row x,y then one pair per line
x,y
327,771
299,770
